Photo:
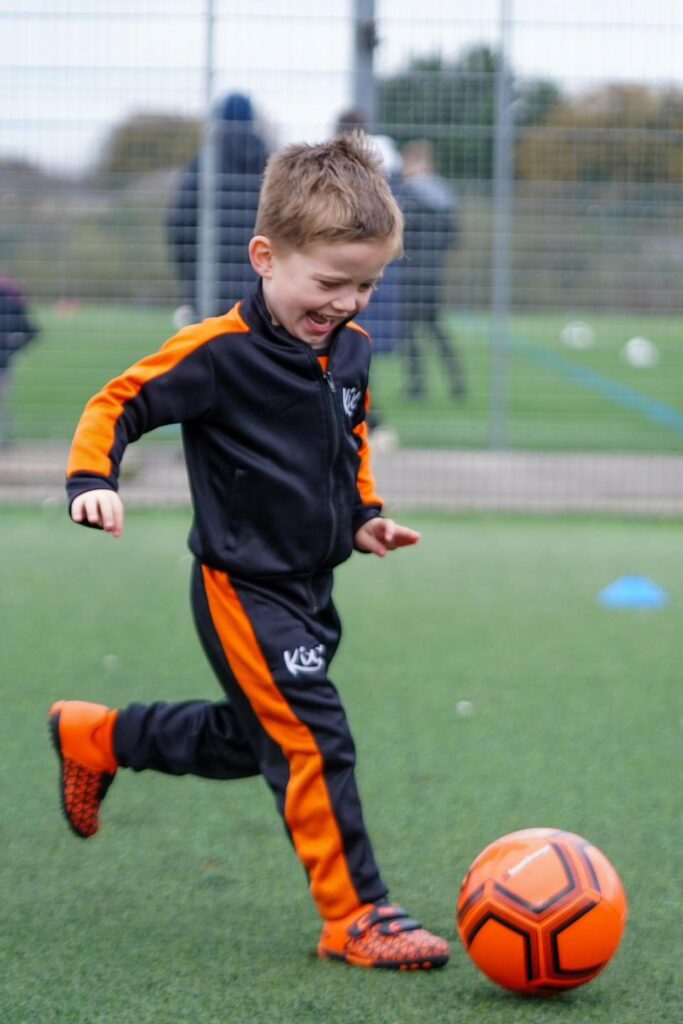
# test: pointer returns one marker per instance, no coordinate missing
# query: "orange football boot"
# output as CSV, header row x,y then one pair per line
x,y
382,935
83,735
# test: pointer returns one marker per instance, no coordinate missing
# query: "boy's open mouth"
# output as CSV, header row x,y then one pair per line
x,y
320,322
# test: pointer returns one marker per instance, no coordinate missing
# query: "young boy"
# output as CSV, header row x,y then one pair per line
x,y
272,401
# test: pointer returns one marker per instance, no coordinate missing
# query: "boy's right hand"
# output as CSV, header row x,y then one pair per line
x,y
101,508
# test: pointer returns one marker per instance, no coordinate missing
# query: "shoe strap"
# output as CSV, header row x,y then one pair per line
x,y
387,919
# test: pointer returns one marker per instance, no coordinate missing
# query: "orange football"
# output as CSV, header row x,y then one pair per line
x,y
541,910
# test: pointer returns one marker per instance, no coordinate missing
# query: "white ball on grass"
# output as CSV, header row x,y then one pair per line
x,y
578,334
641,353
183,316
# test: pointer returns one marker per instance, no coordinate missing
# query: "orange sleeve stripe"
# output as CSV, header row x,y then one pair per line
x,y
96,430
308,809
366,479
357,327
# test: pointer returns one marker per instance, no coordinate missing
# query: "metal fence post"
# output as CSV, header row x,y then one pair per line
x,y
364,43
206,200
501,251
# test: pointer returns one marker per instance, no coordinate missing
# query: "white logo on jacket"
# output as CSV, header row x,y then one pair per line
x,y
305,659
350,398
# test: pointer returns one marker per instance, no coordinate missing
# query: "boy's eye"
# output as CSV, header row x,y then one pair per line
x,y
366,286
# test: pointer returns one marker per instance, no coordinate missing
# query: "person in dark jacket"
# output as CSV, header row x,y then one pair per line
x,y
240,161
429,208
272,399
16,330
382,318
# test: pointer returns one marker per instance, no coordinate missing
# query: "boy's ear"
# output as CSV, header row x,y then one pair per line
x,y
261,255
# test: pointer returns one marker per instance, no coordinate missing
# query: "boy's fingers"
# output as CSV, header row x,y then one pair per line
x,y
111,514
92,509
106,515
118,518
99,508
373,544
397,536
406,536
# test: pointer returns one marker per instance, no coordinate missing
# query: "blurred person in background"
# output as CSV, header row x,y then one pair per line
x,y
240,161
16,330
429,206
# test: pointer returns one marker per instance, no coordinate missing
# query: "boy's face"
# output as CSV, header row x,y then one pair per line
x,y
310,292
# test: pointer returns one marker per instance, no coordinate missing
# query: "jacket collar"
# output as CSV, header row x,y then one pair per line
x,y
255,312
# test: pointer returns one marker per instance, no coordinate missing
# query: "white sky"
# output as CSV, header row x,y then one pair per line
x,y
71,69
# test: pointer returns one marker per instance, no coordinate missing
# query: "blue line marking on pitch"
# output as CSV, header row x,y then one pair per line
x,y
651,409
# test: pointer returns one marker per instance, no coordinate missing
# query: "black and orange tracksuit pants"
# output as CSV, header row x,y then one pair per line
x,y
271,649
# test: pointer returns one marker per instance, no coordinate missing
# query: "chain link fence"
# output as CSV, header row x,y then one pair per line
x,y
530,356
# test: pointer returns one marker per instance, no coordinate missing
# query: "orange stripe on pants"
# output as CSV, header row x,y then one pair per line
x,y
308,809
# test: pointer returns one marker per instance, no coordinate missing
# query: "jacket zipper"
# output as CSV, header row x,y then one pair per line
x,y
330,391
332,398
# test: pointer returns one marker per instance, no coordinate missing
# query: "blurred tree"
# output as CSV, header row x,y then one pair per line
x,y
453,105
147,142
625,133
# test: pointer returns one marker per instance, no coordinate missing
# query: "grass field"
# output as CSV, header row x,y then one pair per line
x,y
557,398
190,907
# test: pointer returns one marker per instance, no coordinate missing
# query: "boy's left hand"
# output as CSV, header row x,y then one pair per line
x,y
381,535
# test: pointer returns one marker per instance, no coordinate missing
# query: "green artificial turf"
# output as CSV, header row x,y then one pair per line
x,y
550,397
190,907
77,351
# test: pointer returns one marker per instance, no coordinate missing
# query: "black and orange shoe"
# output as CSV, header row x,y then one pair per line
x,y
82,734
382,935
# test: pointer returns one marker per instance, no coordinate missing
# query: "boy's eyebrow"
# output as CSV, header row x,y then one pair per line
x,y
342,279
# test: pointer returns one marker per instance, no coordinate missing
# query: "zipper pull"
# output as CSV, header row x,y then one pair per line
x,y
330,383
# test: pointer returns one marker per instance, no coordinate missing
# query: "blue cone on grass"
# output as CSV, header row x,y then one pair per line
x,y
633,592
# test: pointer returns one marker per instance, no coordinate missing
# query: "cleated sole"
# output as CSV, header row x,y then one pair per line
x,y
104,782
433,963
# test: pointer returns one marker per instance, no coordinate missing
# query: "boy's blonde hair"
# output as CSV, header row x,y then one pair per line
x,y
332,192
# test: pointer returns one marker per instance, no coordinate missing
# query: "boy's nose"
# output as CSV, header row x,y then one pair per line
x,y
345,304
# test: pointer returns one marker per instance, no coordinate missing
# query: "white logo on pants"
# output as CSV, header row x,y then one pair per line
x,y
305,659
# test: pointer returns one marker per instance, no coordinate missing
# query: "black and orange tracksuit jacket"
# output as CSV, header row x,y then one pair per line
x,y
275,443
278,462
